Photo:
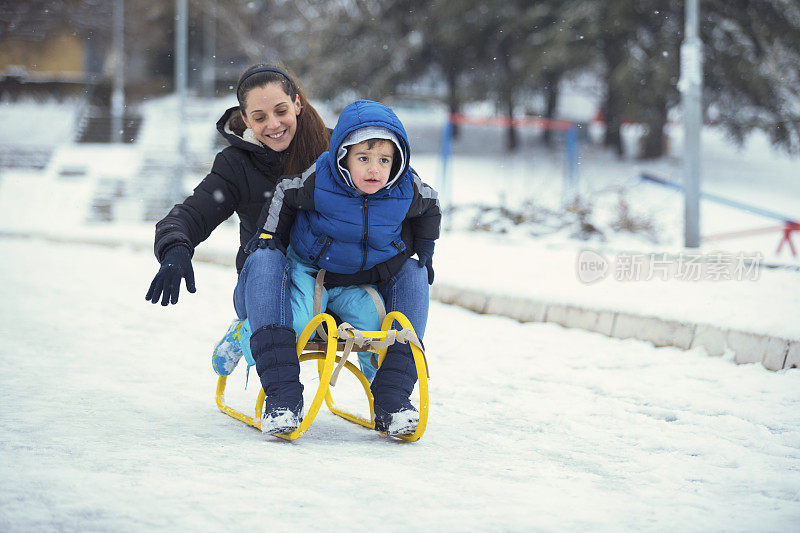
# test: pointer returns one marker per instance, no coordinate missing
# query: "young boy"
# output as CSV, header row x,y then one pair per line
x,y
345,215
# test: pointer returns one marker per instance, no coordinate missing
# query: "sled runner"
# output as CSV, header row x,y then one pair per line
x,y
343,339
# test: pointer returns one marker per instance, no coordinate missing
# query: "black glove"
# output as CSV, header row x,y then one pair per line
x,y
176,264
263,240
424,249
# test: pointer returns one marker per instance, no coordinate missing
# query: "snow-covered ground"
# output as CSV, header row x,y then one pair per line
x,y
109,423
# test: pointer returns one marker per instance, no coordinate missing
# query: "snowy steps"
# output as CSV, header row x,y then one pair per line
x,y
774,353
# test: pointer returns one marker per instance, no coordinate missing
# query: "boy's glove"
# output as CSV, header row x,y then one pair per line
x,y
424,249
263,240
176,264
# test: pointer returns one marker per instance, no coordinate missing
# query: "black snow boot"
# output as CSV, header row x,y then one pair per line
x,y
392,389
273,348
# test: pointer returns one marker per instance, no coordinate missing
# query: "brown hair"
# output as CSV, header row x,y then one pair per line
x,y
311,137
373,142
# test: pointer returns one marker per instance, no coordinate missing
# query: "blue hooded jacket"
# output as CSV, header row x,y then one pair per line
x,y
331,225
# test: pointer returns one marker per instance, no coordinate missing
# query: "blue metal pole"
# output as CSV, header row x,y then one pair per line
x,y
721,200
570,165
444,176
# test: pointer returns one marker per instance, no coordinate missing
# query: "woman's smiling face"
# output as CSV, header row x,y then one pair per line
x,y
272,115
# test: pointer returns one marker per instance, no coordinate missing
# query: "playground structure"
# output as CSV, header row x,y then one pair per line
x,y
787,228
342,339
570,181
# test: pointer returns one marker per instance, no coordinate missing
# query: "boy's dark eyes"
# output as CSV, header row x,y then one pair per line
x,y
383,160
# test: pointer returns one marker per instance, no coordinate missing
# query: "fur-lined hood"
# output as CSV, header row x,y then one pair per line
x,y
371,117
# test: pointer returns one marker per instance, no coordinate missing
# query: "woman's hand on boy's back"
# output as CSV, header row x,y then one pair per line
x,y
264,240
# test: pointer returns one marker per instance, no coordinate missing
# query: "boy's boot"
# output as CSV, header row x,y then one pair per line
x,y
392,389
278,367
228,351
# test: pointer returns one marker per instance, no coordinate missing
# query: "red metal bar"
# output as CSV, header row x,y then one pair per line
x,y
744,233
788,228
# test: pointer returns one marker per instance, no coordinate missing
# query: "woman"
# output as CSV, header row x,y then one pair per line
x,y
275,131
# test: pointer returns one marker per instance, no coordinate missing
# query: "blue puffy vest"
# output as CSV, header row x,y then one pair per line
x,y
347,232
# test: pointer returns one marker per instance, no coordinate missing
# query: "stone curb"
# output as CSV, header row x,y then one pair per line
x,y
773,353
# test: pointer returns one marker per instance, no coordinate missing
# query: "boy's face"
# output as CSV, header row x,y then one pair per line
x,y
370,167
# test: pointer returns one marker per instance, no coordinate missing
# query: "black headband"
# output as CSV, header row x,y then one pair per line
x,y
258,70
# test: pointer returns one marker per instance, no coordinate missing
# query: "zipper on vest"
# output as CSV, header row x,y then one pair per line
x,y
364,200
322,251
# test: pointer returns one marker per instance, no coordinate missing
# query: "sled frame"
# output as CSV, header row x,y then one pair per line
x,y
325,353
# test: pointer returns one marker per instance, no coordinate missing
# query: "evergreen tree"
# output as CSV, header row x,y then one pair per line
x,y
454,37
751,56
356,47
555,52
652,71
752,67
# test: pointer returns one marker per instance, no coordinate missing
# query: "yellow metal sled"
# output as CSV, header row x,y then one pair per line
x,y
340,340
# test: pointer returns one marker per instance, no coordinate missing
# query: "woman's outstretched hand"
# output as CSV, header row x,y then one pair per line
x,y
177,264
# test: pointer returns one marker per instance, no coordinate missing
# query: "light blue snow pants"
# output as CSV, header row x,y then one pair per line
x,y
351,303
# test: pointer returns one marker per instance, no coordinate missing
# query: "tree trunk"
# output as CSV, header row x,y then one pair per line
x,y
653,143
453,102
551,81
508,86
512,139
612,112
613,51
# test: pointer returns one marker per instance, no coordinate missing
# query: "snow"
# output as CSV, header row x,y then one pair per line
x,y
109,421
280,421
404,423
37,123
767,305
543,268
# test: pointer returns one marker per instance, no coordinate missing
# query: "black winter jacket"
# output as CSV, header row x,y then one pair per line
x,y
242,179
